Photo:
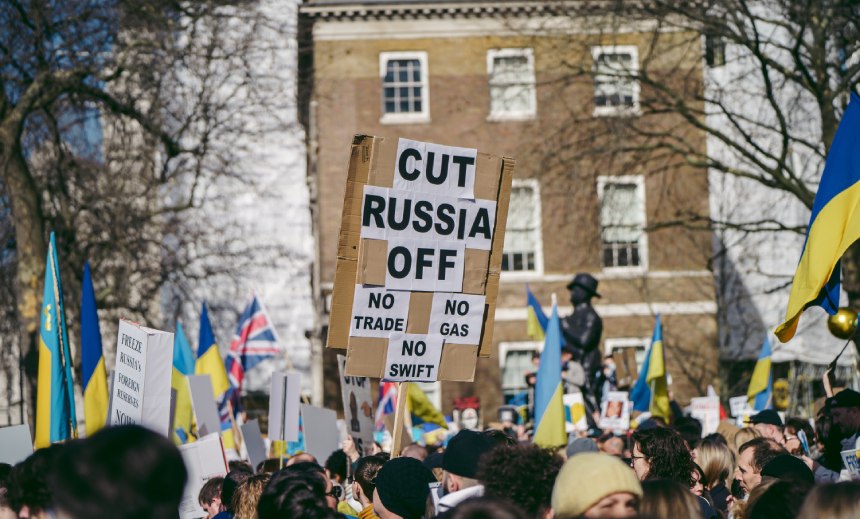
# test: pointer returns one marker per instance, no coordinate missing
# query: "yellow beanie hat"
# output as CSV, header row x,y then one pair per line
x,y
587,478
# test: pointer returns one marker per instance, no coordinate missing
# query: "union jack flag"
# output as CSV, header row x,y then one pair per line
x,y
254,342
387,402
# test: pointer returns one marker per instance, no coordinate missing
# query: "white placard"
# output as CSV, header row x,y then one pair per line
x,y
457,317
254,443
849,459
615,411
738,404
575,406
129,375
425,265
203,404
706,409
377,312
432,168
204,459
321,434
390,213
15,444
357,407
284,400
413,358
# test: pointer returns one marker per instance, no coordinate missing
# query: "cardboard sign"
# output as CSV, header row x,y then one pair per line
x,y
413,358
254,442
419,219
203,404
204,459
706,409
738,404
851,462
320,428
574,411
626,371
15,444
140,391
357,407
284,397
615,411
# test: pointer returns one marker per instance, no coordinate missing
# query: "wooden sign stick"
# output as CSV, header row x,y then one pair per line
x,y
399,417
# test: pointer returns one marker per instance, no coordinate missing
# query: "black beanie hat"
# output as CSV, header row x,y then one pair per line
x,y
403,487
464,451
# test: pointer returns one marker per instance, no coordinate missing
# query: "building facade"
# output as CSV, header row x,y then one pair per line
x,y
523,80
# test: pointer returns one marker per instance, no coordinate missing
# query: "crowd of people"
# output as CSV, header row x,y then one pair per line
x,y
658,471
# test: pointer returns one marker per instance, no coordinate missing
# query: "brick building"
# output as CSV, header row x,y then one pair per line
x,y
523,80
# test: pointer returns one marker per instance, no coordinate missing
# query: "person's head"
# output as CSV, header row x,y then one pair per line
x,y
716,460
419,452
524,474
754,455
661,453
460,459
690,430
844,411
331,493
6,511
741,437
119,472
486,508
295,493
580,445
302,457
667,499
699,480
402,489
769,425
29,492
239,465
210,496
614,446
782,499
366,471
835,501
231,482
793,426
247,496
592,485
335,466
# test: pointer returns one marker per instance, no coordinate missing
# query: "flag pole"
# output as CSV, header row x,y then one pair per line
x,y
399,417
237,432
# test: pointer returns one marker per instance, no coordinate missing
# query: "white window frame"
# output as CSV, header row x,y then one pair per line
x,y
639,180
405,118
614,111
516,275
613,343
529,54
506,347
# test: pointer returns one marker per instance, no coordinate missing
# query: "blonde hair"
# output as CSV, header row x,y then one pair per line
x,y
665,498
744,435
247,495
742,509
717,462
836,501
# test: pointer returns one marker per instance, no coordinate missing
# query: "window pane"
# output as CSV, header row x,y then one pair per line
x,y
517,364
521,236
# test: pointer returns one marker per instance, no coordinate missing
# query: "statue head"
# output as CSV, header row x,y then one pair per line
x,y
582,288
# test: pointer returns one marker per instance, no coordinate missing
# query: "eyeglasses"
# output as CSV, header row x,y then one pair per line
x,y
634,458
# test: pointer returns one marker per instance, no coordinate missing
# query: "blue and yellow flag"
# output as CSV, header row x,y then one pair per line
x,y
549,404
833,226
422,409
93,372
55,401
209,362
651,392
761,383
183,365
536,321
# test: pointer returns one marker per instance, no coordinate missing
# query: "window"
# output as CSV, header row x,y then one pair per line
x,y
640,345
512,84
522,251
616,89
405,96
715,50
622,222
515,359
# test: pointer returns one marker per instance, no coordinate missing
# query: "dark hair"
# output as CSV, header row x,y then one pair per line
x,y
120,472
239,465
269,465
799,424
782,499
764,450
365,473
28,479
336,465
715,438
690,430
498,437
295,493
666,453
523,474
231,482
210,490
486,508
5,470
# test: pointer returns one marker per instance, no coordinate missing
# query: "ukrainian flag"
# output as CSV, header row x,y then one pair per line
x,y
92,360
651,392
183,365
833,226
422,409
209,362
549,404
761,383
536,321
55,401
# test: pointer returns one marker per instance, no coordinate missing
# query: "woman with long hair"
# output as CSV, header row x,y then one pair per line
x,y
667,499
718,465
247,495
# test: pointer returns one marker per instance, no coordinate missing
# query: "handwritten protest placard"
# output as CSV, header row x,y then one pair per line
x,y
357,407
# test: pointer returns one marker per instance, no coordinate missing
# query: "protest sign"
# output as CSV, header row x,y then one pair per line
x,y
574,411
738,404
706,409
204,459
419,253
284,400
626,371
254,442
203,403
851,462
615,411
320,428
413,357
16,444
140,391
357,407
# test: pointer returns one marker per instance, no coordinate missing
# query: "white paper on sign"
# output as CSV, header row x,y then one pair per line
x,y
576,405
203,404
851,462
413,358
457,317
284,399
428,266
372,226
432,168
254,442
706,409
204,459
129,375
738,404
357,407
320,428
15,444
377,312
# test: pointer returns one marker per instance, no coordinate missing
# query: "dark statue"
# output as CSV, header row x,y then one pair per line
x,y
583,328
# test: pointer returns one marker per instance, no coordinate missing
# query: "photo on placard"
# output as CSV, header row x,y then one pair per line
x,y
615,411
